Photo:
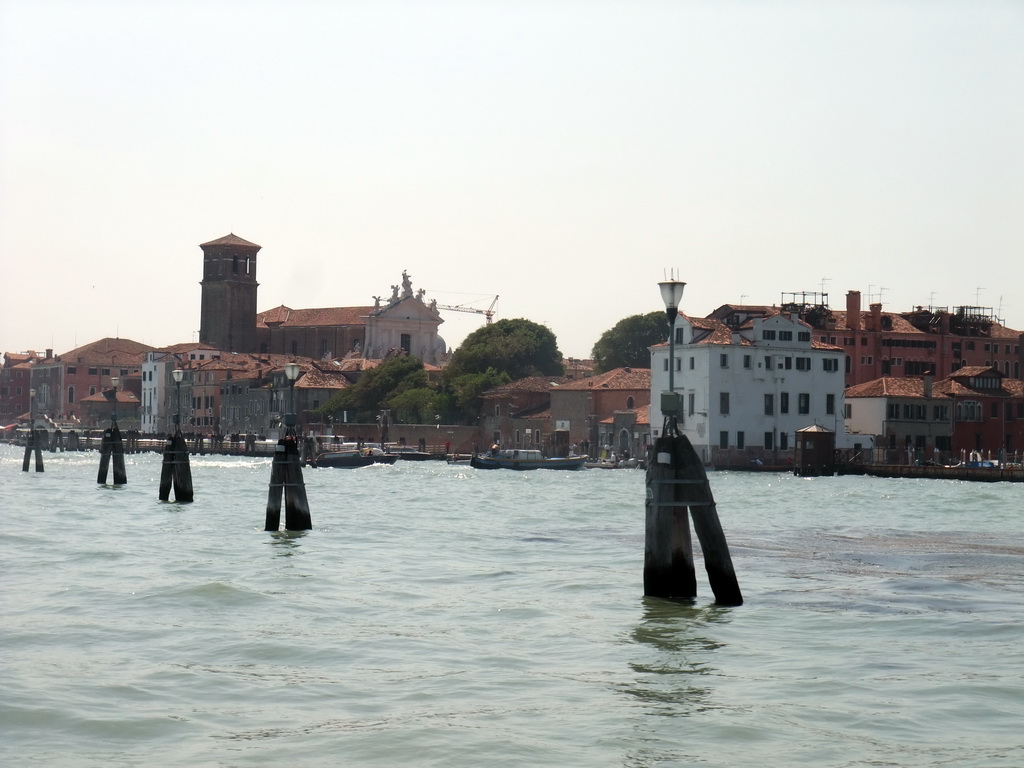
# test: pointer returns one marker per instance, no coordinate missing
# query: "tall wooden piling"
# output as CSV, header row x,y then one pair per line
x,y
112,448
175,471
32,445
677,489
286,480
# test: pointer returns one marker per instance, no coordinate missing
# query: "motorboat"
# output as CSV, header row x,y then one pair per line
x,y
524,458
354,457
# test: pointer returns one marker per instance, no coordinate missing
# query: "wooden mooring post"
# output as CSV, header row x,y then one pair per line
x,y
677,489
32,445
286,480
175,470
112,448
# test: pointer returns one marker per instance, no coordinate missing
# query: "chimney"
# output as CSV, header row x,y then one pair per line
x,y
853,310
876,317
49,353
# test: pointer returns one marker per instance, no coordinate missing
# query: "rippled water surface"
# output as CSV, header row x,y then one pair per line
x,y
438,615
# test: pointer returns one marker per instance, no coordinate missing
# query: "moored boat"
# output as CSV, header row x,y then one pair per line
x,y
354,458
515,458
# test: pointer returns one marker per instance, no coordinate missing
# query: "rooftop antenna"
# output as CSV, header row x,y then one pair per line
x,y
823,281
881,290
977,296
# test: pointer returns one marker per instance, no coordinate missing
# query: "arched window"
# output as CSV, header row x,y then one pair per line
x,y
71,395
629,402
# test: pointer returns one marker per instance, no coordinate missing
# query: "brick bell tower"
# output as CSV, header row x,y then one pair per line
x,y
228,317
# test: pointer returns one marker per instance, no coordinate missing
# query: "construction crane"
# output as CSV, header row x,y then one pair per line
x,y
488,313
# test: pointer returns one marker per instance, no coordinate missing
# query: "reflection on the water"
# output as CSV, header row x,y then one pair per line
x,y
286,543
673,655
671,668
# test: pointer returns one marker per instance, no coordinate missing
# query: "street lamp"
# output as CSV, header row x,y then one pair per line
x,y
177,374
114,381
291,370
671,294
32,409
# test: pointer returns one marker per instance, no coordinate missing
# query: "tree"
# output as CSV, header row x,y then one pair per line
x,y
377,386
518,348
627,343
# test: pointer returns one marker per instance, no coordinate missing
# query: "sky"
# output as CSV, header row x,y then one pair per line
x,y
563,155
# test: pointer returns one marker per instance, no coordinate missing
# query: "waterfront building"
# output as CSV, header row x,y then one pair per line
x,y
554,413
935,341
974,409
746,389
15,384
63,381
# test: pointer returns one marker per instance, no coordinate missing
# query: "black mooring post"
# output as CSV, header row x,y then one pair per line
x,y
175,470
677,484
112,448
32,446
286,480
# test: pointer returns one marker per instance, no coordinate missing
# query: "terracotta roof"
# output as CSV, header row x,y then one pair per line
x,y
123,396
306,318
900,324
889,386
231,239
974,370
528,384
109,352
620,378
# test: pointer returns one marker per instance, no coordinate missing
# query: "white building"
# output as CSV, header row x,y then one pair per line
x,y
744,391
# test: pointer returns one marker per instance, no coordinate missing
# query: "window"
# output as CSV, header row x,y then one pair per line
x,y
104,371
629,402
723,361
406,342
848,410
768,335
691,363
994,410
71,395
804,402
769,442
789,363
769,404
892,411
689,403
803,363
768,362
746,361
72,370
785,335
93,371
867,360
803,336
679,336
723,440
784,402
723,403
739,440
830,364
830,403
968,410
783,441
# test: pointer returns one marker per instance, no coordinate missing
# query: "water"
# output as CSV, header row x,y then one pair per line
x,y
441,616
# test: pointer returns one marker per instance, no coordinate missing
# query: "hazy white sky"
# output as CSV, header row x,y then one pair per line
x,y
562,155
